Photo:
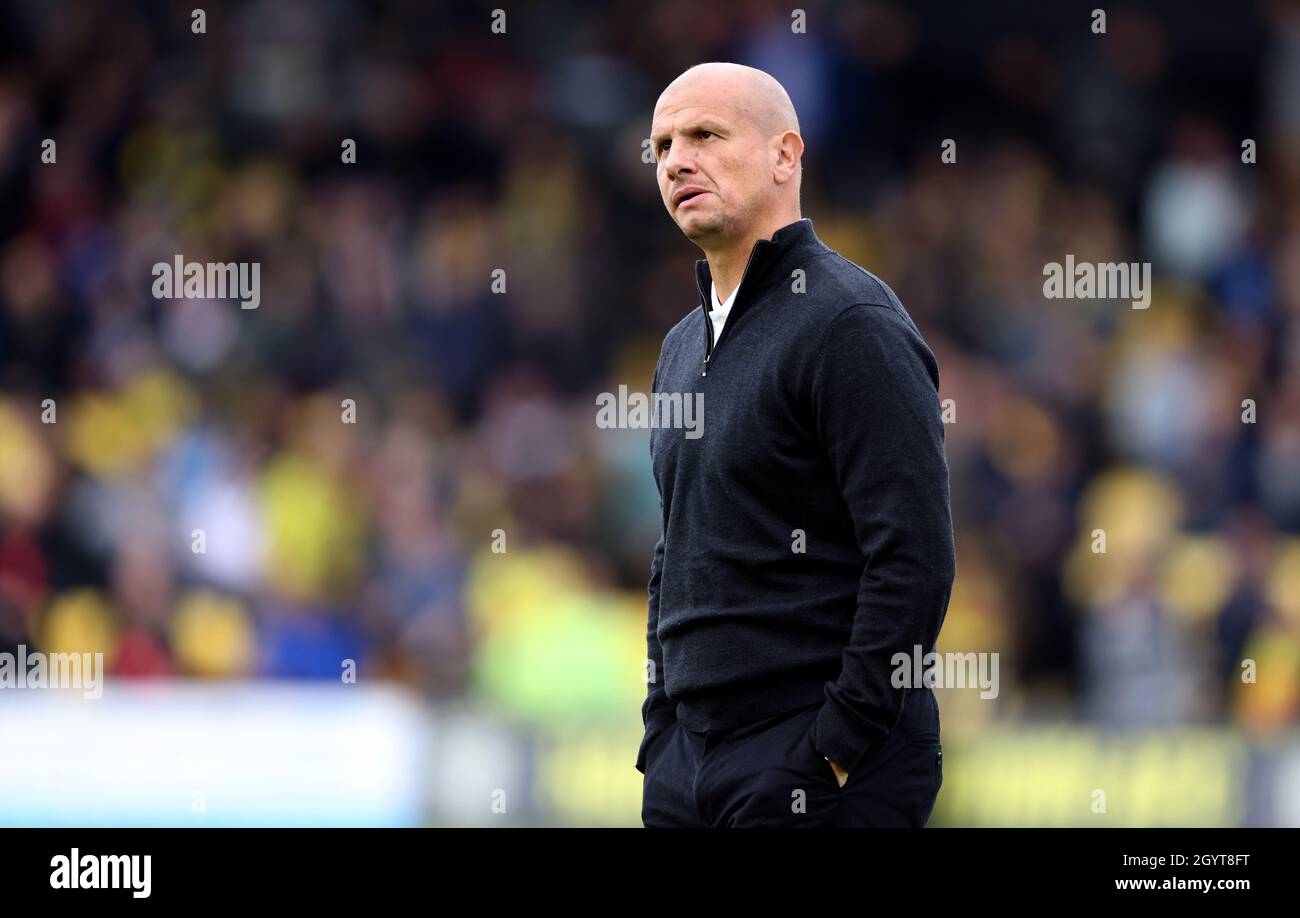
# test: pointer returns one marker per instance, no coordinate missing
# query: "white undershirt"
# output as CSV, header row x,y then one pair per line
x,y
720,310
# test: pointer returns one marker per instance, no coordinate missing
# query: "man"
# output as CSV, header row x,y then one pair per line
x,y
806,534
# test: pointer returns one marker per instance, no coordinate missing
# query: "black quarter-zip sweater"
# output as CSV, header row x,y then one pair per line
x,y
806,532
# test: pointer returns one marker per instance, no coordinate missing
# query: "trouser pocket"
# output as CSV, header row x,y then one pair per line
x,y
928,751
645,755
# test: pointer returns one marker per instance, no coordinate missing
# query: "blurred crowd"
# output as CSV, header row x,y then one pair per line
x,y
184,486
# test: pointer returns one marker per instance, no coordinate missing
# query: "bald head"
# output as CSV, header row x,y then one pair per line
x,y
752,93
726,138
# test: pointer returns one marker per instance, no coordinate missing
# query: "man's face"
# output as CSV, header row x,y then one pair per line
x,y
702,144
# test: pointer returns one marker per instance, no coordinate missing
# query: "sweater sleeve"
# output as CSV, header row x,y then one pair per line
x,y
657,711
657,708
876,412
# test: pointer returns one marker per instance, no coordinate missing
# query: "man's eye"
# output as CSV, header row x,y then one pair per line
x,y
665,144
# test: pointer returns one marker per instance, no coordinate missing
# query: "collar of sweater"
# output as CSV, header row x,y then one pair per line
x,y
770,260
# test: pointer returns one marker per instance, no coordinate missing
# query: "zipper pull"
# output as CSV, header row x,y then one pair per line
x,y
706,365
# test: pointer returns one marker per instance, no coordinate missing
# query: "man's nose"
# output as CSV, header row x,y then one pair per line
x,y
676,162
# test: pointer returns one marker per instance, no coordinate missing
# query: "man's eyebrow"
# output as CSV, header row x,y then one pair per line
x,y
704,124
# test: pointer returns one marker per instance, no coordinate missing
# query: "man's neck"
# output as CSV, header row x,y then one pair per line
x,y
727,263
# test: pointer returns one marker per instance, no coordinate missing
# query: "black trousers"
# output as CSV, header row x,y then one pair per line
x,y
767,774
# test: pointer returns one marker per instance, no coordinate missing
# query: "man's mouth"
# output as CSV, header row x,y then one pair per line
x,y
686,195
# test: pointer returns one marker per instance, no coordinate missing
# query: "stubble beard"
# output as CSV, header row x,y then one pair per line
x,y
703,229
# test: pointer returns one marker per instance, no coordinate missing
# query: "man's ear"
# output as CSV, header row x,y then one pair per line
x,y
789,153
